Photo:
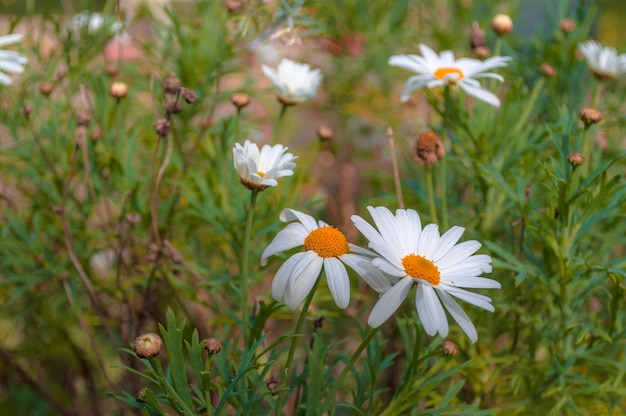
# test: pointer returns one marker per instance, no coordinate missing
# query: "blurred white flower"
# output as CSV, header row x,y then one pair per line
x,y
295,82
10,61
93,22
443,69
436,265
603,61
325,246
259,170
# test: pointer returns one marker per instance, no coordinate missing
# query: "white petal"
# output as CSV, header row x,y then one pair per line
x,y
389,302
458,253
430,311
292,236
480,93
376,279
429,240
447,241
386,267
11,67
12,38
459,316
338,281
471,282
303,279
475,299
289,215
281,279
5,79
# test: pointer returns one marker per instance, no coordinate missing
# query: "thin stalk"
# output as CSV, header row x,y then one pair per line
x,y
245,264
279,120
396,172
333,390
431,193
294,343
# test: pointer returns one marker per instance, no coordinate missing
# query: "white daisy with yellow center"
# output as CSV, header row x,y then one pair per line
x,y
603,61
436,265
324,246
443,69
295,82
10,61
258,170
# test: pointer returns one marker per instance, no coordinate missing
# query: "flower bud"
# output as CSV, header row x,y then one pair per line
x,y
172,84
482,52
547,70
240,100
502,24
478,37
46,88
213,345
575,159
162,127
118,90
428,149
141,395
26,110
567,25
188,95
272,384
148,345
590,116
450,348
324,133
83,119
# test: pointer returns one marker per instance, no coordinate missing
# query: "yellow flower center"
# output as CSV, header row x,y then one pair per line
x,y
327,242
441,73
419,267
261,174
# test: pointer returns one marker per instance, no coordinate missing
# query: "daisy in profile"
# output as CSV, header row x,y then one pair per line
x,y
294,82
603,61
437,266
259,170
443,69
10,61
324,247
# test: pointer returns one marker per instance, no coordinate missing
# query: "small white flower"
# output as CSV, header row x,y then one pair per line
x,y
259,170
436,265
603,61
94,22
295,82
10,61
438,70
325,246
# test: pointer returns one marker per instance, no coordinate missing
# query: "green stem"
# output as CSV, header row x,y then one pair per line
x,y
444,193
333,390
294,342
245,264
281,115
431,193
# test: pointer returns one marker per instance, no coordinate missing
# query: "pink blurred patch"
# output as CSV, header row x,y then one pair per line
x,y
122,50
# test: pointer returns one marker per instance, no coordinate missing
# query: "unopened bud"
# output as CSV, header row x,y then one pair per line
x,y
324,133
162,127
547,70
428,149
188,95
172,84
272,384
450,348
148,345
233,5
118,90
478,37
567,25
575,159
83,119
46,88
240,100
213,345
590,116
173,107
482,52
502,24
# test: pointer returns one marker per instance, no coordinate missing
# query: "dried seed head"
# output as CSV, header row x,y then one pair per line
x,y
240,100
172,84
482,52
148,345
450,348
590,116
46,88
213,345
118,90
188,95
173,107
133,218
162,127
502,24
478,37
575,159
428,149
547,70
324,133
567,25
83,119
27,109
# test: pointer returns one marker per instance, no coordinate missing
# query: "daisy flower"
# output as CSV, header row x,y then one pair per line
x,y
603,61
295,82
259,170
438,70
10,61
324,246
437,266
94,22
